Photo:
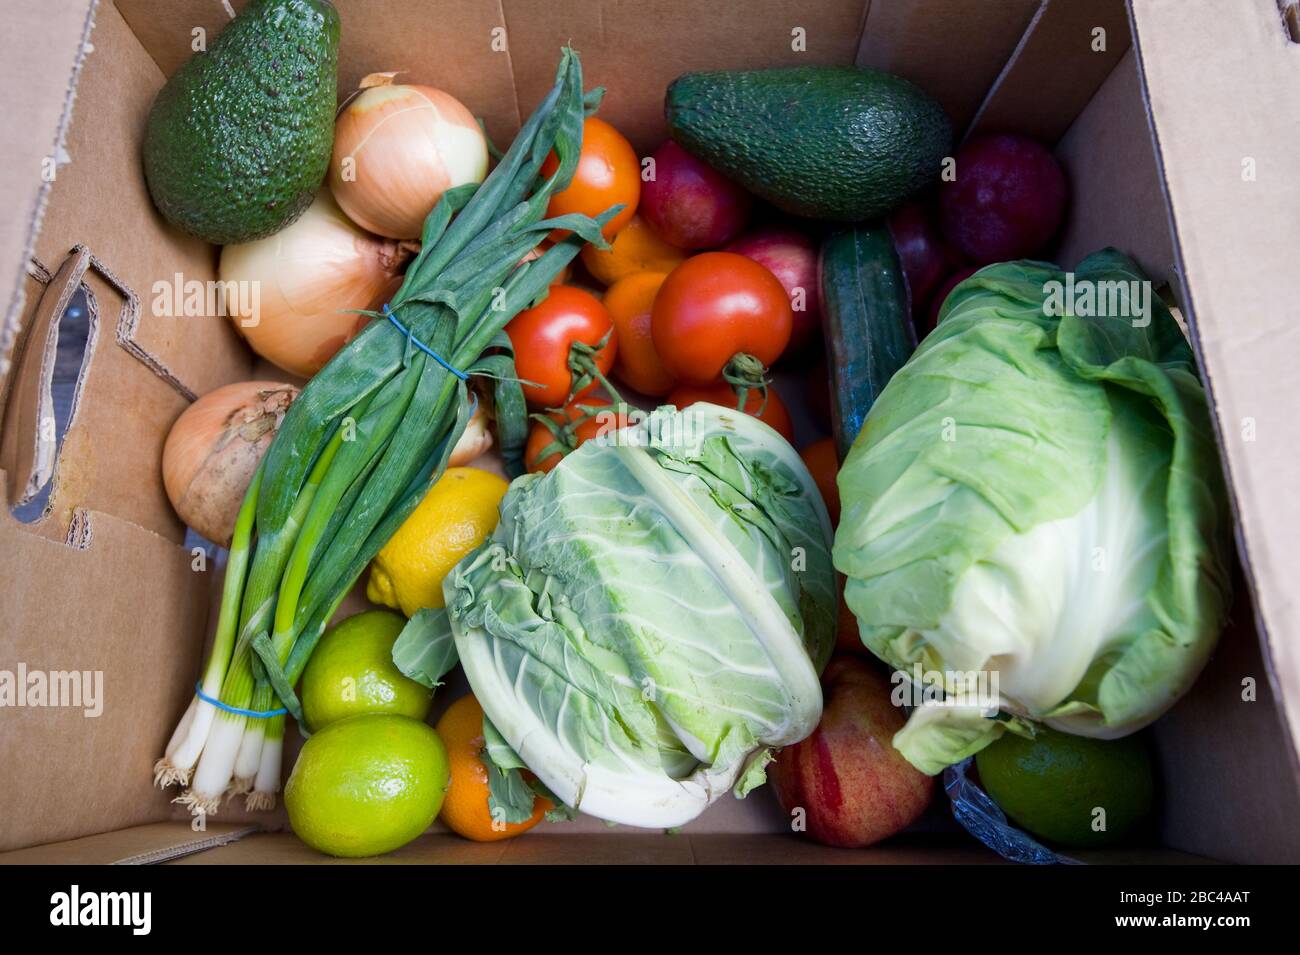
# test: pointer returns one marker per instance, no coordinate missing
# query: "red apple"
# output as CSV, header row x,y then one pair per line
x,y
922,253
855,788
688,203
1007,200
791,256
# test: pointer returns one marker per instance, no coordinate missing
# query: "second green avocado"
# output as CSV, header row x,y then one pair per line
x,y
239,139
828,142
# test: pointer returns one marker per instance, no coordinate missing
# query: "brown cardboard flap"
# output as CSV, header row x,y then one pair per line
x,y
442,45
635,48
1221,81
625,847
100,200
1115,189
139,845
1060,62
123,603
126,600
952,49
175,843
40,74
1224,759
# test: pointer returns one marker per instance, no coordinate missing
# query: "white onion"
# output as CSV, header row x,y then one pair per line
x,y
397,149
305,278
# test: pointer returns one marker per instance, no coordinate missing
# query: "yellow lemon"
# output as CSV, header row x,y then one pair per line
x,y
459,511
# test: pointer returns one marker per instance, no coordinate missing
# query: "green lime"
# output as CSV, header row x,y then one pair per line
x,y
367,785
351,672
1079,792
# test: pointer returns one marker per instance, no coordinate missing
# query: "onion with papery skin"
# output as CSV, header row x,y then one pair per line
x,y
397,149
213,449
295,288
476,440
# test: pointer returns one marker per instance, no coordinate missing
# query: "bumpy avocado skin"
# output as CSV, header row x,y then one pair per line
x,y
239,139
828,142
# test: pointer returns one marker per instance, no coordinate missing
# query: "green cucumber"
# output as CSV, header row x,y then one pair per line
x,y
867,313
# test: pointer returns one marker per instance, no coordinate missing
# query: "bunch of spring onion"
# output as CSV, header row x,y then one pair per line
x,y
366,439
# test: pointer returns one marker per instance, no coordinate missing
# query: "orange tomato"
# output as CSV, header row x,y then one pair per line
x,y
608,173
629,301
636,248
465,807
774,415
541,436
824,464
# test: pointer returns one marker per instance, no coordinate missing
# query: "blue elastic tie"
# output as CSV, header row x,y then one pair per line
x,y
253,714
388,313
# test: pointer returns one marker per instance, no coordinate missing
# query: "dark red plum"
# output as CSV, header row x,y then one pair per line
x,y
1007,200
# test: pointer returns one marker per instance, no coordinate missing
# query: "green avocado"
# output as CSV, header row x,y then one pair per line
x,y
239,139
828,142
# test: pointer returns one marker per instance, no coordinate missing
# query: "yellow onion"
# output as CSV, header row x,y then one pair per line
x,y
301,282
213,449
397,149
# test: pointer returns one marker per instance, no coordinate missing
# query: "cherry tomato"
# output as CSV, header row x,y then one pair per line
x,y
540,436
543,339
713,307
775,416
629,301
824,465
608,173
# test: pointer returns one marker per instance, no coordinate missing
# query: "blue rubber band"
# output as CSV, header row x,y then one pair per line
x,y
388,313
252,714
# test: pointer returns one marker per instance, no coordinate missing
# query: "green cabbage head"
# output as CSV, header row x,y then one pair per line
x,y
1036,497
649,619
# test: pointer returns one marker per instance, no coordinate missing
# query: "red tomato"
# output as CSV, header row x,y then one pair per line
x,y
543,339
608,173
713,307
774,415
540,436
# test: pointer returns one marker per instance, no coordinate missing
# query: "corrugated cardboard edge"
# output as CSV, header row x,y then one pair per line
x,y
27,448
157,856
1227,298
22,194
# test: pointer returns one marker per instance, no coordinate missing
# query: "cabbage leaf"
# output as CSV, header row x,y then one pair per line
x,y
1039,496
650,617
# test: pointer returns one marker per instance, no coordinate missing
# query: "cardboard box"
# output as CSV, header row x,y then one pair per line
x,y
1173,118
